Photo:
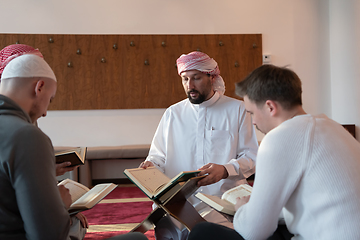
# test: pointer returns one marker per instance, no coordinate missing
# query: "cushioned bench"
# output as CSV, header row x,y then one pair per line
x,y
107,164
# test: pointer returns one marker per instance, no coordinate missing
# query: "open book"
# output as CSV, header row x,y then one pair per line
x,y
76,156
226,203
82,197
155,183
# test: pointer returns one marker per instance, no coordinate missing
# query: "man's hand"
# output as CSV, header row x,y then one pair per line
x,y
83,220
241,201
62,168
65,196
215,173
146,164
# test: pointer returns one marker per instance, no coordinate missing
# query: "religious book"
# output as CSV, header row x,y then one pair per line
x,y
225,204
84,198
76,156
154,183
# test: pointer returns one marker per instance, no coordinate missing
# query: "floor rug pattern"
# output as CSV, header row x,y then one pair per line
x,y
119,212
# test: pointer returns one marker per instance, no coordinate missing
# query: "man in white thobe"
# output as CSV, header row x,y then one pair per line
x,y
207,131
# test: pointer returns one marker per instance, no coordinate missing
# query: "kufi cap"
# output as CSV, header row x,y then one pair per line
x,y
28,65
10,52
203,63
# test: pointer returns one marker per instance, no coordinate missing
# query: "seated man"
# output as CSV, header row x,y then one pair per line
x,y
31,206
207,131
77,230
307,167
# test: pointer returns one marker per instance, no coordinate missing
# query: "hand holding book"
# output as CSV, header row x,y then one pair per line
x,y
62,168
83,198
76,156
155,183
241,201
213,173
170,195
228,201
65,196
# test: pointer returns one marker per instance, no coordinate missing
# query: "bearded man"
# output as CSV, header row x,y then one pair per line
x,y
207,131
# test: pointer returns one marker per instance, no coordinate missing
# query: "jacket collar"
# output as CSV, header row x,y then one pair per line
x,y
10,107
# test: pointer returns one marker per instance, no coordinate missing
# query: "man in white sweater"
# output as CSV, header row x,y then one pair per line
x,y
308,168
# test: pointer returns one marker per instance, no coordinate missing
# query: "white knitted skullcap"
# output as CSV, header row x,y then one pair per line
x,y
28,65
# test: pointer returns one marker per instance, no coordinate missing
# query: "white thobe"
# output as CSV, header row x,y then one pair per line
x,y
216,131
189,136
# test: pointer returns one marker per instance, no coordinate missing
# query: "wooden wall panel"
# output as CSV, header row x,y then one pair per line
x,y
123,80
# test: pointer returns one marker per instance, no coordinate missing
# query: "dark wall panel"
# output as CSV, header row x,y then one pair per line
x,y
134,71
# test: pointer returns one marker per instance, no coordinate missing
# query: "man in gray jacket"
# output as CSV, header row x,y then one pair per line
x,y
31,204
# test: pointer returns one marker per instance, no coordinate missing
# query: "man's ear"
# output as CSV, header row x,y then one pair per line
x,y
212,79
272,107
39,87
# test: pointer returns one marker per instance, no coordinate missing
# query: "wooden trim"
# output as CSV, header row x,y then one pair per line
x,y
350,128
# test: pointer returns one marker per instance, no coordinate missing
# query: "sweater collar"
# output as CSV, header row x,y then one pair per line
x,y
10,107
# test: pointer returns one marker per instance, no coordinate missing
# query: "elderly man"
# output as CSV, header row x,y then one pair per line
x,y
307,167
208,131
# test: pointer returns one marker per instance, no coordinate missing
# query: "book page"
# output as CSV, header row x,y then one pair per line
x,y
217,203
76,150
239,191
92,197
151,178
76,189
181,177
82,153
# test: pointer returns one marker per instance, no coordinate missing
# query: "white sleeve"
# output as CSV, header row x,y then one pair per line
x,y
157,152
247,148
278,172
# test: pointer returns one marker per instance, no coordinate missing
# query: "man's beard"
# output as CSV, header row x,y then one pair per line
x,y
201,97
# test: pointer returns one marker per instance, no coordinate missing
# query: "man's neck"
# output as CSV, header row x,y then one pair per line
x,y
211,95
293,113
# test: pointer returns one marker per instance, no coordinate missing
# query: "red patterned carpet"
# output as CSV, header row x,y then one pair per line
x,y
118,213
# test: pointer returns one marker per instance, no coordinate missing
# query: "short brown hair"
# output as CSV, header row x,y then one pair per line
x,y
270,82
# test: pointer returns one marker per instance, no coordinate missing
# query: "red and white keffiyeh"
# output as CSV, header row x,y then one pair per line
x,y
203,63
15,50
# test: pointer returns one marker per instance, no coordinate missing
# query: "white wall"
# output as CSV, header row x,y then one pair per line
x,y
311,53
295,33
345,61
101,127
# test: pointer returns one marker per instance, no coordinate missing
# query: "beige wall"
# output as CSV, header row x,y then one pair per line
x,y
307,35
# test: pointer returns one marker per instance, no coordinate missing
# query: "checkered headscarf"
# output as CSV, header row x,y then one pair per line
x,y
12,51
203,63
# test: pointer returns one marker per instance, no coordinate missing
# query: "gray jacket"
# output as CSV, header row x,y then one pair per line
x,y
30,203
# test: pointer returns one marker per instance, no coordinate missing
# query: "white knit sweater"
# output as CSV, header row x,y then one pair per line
x,y
309,167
